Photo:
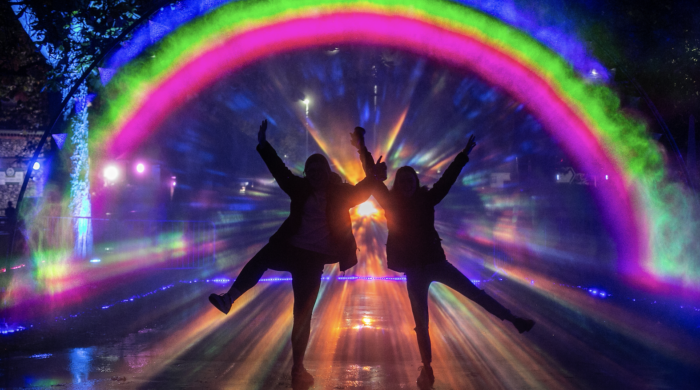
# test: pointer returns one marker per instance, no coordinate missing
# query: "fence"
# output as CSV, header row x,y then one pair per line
x,y
161,243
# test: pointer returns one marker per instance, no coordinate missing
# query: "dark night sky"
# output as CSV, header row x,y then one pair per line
x,y
658,44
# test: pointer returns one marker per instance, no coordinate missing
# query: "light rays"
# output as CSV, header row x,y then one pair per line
x,y
504,215
473,331
482,222
393,133
364,322
207,323
611,315
584,118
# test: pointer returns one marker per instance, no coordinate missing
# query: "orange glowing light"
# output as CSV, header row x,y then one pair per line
x,y
366,209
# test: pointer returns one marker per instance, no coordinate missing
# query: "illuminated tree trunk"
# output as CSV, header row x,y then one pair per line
x,y
80,175
80,162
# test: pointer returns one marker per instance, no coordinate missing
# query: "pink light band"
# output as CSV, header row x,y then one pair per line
x,y
491,63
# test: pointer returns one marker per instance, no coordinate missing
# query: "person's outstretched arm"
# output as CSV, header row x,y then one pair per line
x,y
449,177
285,178
381,194
378,169
357,139
363,190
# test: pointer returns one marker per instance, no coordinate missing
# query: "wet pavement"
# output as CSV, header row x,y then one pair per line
x,y
362,338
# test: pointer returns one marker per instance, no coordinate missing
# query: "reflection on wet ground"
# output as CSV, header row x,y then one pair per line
x,y
362,338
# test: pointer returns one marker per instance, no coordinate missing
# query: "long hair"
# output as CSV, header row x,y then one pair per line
x,y
406,170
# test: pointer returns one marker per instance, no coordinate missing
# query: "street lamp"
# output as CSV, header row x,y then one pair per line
x,y
306,102
111,173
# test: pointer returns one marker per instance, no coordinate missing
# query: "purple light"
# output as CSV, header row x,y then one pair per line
x,y
558,36
140,168
60,139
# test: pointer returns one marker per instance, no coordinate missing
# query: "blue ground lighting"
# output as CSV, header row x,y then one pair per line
x,y
594,292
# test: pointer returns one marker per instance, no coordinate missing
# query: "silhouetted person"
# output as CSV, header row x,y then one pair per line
x,y
413,247
318,231
11,216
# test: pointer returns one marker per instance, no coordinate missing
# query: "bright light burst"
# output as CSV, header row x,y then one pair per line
x,y
366,209
111,173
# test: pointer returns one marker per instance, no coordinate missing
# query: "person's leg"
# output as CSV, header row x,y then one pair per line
x,y
446,273
418,284
254,269
247,278
306,282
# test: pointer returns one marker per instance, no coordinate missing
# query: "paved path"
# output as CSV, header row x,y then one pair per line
x,y
362,338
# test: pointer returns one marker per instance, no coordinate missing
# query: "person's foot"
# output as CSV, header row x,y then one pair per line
x,y
301,378
222,302
426,379
523,325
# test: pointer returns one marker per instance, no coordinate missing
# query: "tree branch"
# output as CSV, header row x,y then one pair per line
x,y
21,11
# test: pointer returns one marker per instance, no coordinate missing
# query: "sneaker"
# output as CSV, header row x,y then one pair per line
x,y
523,325
426,379
222,302
301,378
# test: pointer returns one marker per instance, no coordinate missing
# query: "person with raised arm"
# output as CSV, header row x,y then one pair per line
x,y
413,247
318,231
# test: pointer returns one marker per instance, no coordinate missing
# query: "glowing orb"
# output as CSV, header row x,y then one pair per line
x,y
140,168
111,173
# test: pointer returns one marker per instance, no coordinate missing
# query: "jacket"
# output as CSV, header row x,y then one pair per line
x,y
340,197
412,240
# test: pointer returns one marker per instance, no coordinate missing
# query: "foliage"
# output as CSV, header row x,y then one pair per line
x,y
22,78
657,43
74,32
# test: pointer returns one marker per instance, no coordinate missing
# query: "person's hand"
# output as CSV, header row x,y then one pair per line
x,y
357,138
380,169
261,132
470,145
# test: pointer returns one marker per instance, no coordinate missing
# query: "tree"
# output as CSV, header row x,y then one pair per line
x,y
22,77
71,34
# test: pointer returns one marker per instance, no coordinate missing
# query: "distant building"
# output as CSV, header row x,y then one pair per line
x,y
16,149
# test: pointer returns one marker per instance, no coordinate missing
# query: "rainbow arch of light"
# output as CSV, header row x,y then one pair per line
x,y
583,117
